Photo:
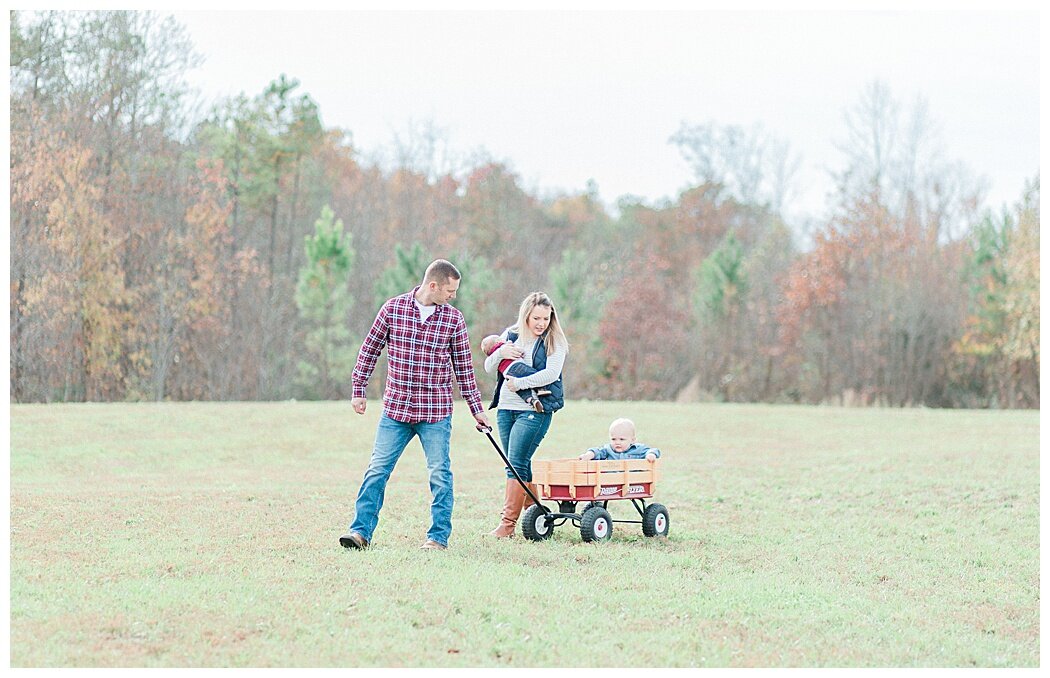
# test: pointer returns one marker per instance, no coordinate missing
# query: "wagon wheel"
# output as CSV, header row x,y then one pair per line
x,y
655,521
595,524
534,524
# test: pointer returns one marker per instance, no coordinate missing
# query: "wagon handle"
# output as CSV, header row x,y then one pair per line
x,y
487,430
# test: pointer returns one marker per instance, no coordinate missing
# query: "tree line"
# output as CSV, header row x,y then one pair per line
x,y
241,253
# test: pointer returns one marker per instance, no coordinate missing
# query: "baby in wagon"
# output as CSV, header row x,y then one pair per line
x,y
622,445
515,368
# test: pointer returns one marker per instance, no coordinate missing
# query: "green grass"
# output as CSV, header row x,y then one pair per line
x,y
199,534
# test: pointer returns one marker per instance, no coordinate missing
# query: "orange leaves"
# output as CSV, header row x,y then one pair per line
x,y
645,334
72,281
206,238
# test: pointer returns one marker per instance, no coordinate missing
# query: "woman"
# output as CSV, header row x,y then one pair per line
x,y
539,340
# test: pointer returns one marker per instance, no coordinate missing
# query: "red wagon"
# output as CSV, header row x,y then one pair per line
x,y
594,484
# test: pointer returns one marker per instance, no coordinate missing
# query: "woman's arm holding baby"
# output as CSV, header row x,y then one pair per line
x,y
548,375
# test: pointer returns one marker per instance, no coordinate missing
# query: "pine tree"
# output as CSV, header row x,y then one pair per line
x,y
720,293
722,283
402,275
324,303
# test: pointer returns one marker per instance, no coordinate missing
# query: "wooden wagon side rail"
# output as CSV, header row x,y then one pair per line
x,y
576,480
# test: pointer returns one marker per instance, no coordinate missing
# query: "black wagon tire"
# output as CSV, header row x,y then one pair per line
x,y
534,524
656,521
595,524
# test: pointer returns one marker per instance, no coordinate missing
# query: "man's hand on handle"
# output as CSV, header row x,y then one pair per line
x,y
483,421
359,405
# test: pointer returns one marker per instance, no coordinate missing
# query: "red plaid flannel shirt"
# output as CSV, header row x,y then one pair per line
x,y
421,358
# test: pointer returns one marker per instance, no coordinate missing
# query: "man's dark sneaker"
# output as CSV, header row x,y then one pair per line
x,y
352,540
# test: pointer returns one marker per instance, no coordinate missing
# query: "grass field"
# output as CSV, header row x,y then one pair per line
x,y
198,534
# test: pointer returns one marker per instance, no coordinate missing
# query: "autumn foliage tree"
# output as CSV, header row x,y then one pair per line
x,y
1020,344
157,253
869,314
642,334
997,354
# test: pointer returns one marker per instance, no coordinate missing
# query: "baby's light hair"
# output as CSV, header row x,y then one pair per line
x,y
490,340
622,421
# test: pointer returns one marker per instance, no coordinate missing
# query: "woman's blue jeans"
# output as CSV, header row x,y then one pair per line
x,y
521,433
391,439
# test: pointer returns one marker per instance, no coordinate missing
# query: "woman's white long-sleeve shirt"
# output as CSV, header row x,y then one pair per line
x,y
508,399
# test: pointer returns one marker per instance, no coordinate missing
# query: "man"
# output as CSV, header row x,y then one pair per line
x,y
426,342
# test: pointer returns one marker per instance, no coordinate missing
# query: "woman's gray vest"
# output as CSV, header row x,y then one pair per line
x,y
551,403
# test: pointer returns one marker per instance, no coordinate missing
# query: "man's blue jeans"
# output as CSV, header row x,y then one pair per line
x,y
521,433
391,439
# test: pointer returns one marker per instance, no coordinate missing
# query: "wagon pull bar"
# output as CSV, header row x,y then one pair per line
x,y
487,430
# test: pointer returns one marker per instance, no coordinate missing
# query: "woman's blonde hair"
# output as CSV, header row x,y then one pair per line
x,y
554,337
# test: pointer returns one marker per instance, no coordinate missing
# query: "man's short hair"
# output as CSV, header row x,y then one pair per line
x,y
440,271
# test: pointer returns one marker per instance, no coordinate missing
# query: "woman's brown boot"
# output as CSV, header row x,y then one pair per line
x,y
512,502
526,499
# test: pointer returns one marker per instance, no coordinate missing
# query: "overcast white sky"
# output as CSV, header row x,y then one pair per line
x,y
570,96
